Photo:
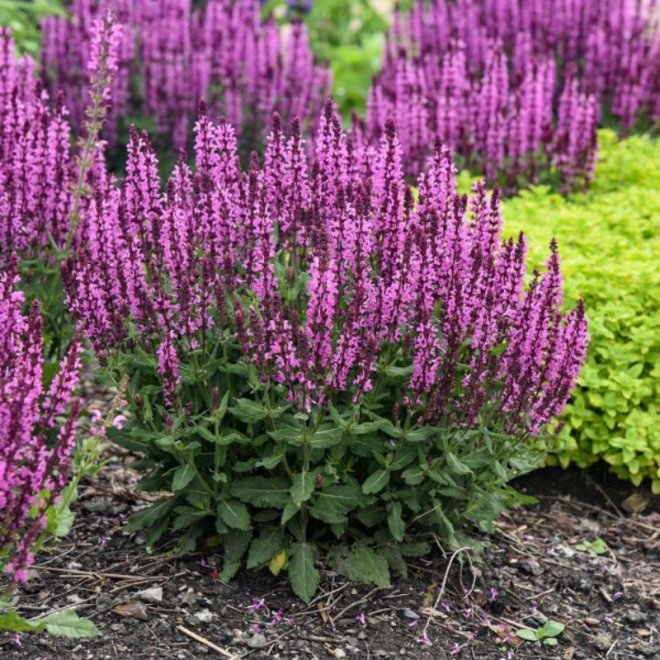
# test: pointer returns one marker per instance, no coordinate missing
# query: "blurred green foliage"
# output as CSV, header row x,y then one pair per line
x,y
23,19
609,241
348,36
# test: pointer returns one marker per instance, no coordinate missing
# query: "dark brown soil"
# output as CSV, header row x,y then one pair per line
x,y
531,571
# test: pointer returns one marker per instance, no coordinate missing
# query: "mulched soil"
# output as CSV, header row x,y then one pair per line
x,y
164,607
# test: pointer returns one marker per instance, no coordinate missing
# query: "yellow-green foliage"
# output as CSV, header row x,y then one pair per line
x,y
609,241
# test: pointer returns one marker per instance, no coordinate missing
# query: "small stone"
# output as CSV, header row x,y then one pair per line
x,y
204,616
338,653
410,614
74,565
257,641
152,595
104,602
603,641
362,635
531,567
590,621
189,598
635,616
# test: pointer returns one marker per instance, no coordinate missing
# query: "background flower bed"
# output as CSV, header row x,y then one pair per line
x,y
609,240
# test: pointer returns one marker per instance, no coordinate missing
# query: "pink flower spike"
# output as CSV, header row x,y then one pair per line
x,y
17,639
257,604
361,618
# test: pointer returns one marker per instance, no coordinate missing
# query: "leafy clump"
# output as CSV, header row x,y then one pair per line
x,y
610,242
547,634
311,356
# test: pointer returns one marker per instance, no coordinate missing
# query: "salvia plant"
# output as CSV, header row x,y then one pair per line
x,y
37,429
517,87
43,177
178,53
311,355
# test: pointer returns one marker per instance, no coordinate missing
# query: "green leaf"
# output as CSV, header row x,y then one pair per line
x,y
527,634
332,504
326,438
69,624
553,628
222,409
414,476
265,546
419,435
249,411
151,515
456,466
395,520
235,514
303,575
302,487
550,641
14,622
236,544
361,563
263,491
183,476
376,482
290,510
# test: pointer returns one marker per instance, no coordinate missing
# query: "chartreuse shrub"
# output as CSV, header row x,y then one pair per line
x,y
610,246
317,367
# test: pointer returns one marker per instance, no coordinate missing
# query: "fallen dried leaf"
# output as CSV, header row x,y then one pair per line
x,y
132,609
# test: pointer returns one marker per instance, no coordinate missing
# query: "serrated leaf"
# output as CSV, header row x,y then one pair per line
x,y
290,510
302,487
303,575
413,476
326,438
456,466
236,544
277,563
234,514
376,482
69,624
269,542
150,516
361,563
249,411
183,476
395,520
332,504
445,527
263,491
